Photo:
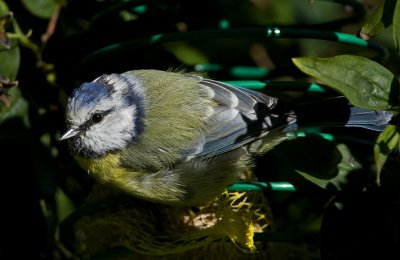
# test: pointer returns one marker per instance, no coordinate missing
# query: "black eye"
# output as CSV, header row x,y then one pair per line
x,y
97,117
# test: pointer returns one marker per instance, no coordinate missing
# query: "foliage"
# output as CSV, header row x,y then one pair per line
x,y
365,83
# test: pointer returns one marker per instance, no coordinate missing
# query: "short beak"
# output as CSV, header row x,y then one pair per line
x,y
70,133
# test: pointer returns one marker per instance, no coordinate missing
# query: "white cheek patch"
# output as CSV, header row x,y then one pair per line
x,y
123,120
114,132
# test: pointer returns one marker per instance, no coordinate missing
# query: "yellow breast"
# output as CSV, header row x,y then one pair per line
x,y
139,184
104,169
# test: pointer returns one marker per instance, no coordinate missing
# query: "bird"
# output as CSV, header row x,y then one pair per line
x,y
180,138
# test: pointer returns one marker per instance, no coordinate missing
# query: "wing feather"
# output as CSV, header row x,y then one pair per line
x,y
240,117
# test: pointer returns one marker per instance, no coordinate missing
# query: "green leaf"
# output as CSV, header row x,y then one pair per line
x,y
346,165
364,82
9,66
4,21
312,154
41,8
18,108
379,21
396,26
10,60
386,142
3,8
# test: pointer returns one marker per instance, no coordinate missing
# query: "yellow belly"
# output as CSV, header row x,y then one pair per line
x,y
149,186
104,169
187,183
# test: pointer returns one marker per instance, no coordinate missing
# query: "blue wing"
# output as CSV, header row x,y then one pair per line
x,y
243,116
240,117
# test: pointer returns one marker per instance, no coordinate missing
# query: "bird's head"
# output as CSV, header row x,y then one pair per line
x,y
105,115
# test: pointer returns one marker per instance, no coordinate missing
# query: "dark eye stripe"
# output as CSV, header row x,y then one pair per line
x,y
90,122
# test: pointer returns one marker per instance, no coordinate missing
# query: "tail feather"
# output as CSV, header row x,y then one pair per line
x,y
373,120
338,112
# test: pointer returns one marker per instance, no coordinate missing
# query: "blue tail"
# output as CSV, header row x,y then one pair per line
x,y
338,112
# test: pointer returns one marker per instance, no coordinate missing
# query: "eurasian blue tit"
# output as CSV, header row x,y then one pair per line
x,y
180,139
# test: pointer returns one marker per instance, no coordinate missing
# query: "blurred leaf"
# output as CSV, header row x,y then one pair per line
x,y
4,21
3,8
386,142
396,26
65,206
379,21
313,155
9,65
5,84
17,108
364,82
187,54
10,61
41,8
347,164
